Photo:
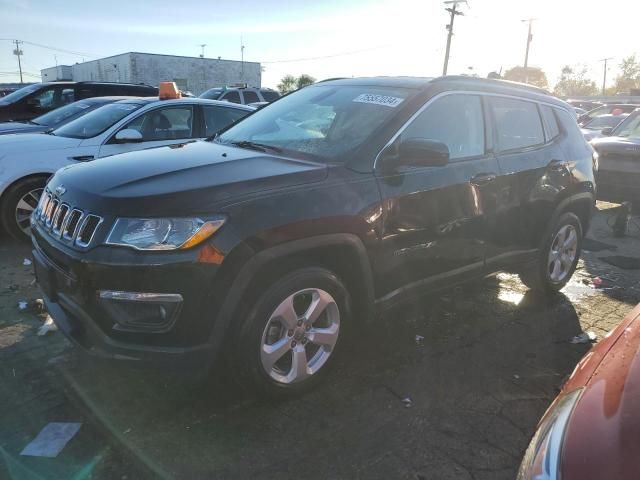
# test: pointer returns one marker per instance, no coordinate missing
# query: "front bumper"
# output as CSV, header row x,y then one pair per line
x,y
72,281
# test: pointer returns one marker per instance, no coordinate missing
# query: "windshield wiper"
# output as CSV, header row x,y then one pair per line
x,y
261,147
50,132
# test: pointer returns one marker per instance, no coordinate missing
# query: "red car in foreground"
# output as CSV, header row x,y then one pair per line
x,y
592,429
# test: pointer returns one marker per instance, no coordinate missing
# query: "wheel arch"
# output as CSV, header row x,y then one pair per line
x,y
15,181
581,204
342,253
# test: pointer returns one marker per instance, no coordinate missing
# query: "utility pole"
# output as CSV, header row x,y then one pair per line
x,y
604,80
453,10
202,45
242,58
18,52
526,54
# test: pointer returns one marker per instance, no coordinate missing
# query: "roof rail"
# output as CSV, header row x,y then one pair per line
x,y
490,81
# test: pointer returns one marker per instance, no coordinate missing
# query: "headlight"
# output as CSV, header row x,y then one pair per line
x,y
542,459
162,233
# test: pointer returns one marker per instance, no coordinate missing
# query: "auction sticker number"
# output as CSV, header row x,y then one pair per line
x,y
386,100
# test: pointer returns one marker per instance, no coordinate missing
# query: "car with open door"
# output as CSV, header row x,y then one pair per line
x,y
135,124
294,228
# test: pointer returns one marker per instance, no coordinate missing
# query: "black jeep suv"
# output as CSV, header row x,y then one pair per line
x,y
262,245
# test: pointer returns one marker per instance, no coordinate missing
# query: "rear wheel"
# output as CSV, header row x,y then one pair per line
x,y
20,200
558,256
292,333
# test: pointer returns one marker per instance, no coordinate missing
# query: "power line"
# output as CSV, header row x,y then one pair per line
x,y
55,49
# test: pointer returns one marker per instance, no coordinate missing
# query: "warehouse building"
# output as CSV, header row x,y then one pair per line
x,y
192,74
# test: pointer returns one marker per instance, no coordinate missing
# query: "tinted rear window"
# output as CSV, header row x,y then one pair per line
x,y
250,96
269,95
517,122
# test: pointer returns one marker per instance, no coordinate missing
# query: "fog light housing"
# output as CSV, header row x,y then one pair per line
x,y
140,312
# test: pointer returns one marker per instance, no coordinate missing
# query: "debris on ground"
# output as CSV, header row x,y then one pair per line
x,y
516,376
419,340
22,305
26,262
584,337
47,327
408,403
51,439
597,281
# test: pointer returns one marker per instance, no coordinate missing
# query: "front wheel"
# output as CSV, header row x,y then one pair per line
x,y
20,200
558,256
292,333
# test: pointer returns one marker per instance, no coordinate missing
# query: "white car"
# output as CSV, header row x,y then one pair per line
x,y
27,160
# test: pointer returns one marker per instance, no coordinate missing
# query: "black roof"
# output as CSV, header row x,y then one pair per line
x,y
455,81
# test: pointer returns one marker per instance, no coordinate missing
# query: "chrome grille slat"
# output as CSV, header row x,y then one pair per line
x,y
65,222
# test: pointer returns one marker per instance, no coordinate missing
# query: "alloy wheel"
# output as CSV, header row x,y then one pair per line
x,y
25,207
300,336
563,252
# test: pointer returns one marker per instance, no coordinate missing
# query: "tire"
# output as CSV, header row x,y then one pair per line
x,y
279,354
552,271
27,190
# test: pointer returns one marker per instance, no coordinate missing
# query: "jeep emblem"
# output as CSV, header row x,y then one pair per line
x,y
60,190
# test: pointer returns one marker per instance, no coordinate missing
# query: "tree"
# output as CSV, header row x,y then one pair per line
x,y
629,76
289,83
533,75
574,82
304,80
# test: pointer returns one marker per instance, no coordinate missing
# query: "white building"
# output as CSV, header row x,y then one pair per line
x,y
192,74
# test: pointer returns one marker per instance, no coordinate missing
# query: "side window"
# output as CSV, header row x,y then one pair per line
x,y
250,96
455,120
269,95
171,123
517,123
233,97
217,118
67,96
85,92
551,122
47,98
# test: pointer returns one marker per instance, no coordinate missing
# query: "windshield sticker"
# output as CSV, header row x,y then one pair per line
x,y
385,100
126,107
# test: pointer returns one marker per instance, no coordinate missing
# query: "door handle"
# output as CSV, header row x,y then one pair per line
x,y
557,166
483,179
82,158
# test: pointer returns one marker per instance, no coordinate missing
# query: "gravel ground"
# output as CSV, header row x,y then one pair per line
x,y
460,404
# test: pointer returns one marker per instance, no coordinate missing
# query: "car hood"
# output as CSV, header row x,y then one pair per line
x,y
19,127
34,142
180,179
617,145
604,429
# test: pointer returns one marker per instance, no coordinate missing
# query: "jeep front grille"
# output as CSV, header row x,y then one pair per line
x,y
65,222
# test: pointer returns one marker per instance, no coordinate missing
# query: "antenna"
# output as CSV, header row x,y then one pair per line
x,y
242,58
202,45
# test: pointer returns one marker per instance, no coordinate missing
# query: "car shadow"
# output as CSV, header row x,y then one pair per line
x,y
432,381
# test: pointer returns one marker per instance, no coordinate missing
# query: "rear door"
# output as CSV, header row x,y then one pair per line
x,y
532,166
435,218
161,126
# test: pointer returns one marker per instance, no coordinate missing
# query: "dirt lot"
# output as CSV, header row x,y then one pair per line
x,y
492,358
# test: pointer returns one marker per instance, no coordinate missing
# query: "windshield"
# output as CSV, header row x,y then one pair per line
x,y
212,93
61,114
21,93
604,121
630,127
97,121
323,121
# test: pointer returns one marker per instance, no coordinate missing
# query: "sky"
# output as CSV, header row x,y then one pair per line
x,y
325,39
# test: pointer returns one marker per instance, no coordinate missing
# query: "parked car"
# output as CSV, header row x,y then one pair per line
x,y
58,117
594,127
134,124
590,431
6,91
618,174
267,243
584,104
39,98
244,95
612,108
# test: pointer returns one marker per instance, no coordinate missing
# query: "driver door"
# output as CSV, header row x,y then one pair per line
x,y
161,126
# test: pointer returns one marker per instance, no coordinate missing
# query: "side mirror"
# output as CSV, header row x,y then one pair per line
x,y
128,135
422,152
607,131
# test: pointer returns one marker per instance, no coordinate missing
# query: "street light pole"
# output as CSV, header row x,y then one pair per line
x,y
453,10
604,79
